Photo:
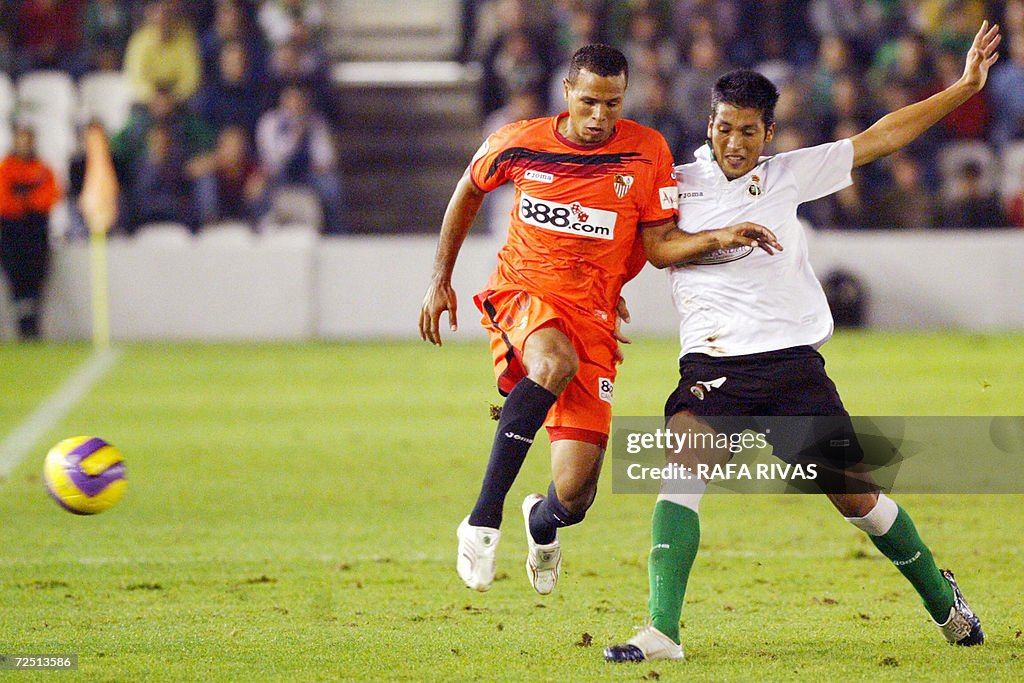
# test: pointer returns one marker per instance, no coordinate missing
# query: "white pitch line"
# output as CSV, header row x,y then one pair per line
x,y
27,434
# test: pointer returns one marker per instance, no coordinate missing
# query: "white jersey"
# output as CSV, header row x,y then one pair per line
x,y
739,301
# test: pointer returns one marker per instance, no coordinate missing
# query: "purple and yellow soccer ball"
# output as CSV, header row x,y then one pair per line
x,y
85,475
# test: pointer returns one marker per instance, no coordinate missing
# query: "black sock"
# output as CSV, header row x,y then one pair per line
x,y
522,416
549,515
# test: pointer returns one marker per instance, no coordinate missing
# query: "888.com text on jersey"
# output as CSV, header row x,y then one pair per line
x,y
572,219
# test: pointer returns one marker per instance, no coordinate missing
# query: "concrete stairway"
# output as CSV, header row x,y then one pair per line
x,y
408,120
404,142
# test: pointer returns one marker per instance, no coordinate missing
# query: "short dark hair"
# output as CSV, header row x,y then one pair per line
x,y
746,89
598,59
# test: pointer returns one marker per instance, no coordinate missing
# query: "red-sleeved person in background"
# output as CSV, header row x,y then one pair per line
x,y
28,191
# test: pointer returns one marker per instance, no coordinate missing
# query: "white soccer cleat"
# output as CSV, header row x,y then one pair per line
x,y
962,626
478,548
543,562
649,643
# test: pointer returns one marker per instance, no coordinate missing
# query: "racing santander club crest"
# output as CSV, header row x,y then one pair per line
x,y
754,188
622,184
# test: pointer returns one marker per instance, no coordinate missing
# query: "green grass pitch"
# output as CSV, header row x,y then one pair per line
x,y
291,515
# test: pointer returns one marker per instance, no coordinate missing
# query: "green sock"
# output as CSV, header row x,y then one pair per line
x,y
904,547
675,535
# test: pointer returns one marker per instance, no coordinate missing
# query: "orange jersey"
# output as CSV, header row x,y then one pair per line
x,y
573,232
26,186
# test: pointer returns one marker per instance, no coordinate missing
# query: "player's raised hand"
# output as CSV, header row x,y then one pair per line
x,y
440,297
982,55
747,234
621,316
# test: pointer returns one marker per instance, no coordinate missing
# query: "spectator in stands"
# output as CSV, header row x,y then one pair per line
x,y
521,105
236,190
841,18
107,26
576,25
1006,94
296,147
791,116
970,204
693,83
905,203
495,18
654,109
50,34
848,208
231,25
188,131
713,18
28,192
935,17
969,120
956,22
834,59
649,29
787,140
303,60
906,61
893,95
163,52
1015,209
1013,17
620,14
161,185
279,19
232,97
774,29
516,62
10,58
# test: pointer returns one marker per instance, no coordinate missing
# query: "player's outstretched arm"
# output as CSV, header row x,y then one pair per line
x,y
440,296
667,246
899,128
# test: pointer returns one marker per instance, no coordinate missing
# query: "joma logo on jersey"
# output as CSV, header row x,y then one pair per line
x,y
539,176
572,219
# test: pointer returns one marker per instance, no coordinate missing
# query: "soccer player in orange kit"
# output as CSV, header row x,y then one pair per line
x,y
587,183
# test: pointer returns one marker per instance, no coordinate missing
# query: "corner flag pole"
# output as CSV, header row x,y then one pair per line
x,y
98,203
100,289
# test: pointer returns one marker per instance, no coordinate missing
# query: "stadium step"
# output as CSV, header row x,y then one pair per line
x,y
406,131
417,30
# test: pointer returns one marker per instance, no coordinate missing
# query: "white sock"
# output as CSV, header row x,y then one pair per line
x,y
880,519
686,492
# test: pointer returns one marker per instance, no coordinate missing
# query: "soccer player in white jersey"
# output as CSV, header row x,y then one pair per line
x,y
752,322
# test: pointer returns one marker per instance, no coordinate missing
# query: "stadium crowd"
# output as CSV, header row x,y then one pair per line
x,y
224,102
840,65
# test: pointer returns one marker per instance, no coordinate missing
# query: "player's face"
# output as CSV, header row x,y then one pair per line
x,y
738,136
595,105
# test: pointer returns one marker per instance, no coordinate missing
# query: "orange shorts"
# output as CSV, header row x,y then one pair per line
x,y
584,410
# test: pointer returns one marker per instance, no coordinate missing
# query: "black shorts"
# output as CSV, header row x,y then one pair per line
x,y
746,392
